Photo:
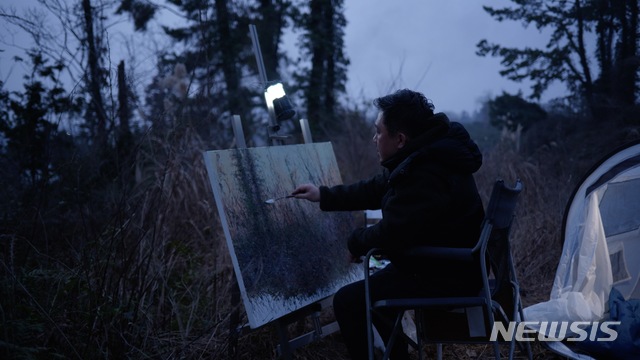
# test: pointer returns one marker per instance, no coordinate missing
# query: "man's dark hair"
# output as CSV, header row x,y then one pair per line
x,y
405,111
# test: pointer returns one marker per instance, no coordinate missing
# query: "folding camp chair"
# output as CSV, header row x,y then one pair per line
x,y
469,319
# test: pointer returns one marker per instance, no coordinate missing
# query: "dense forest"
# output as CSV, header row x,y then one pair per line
x,y
110,244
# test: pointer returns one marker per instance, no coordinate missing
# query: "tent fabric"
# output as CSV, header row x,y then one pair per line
x,y
601,243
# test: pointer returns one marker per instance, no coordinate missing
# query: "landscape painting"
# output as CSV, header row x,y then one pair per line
x,y
286,254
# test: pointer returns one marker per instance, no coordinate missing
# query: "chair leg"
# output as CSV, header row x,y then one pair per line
x,y
529,351
525,348
527,344
397,328
512,348
417,315
496,350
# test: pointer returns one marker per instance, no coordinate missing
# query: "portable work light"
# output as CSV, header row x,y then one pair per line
x,y
278,102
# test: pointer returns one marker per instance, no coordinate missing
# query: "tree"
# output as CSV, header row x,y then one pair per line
x,y
76,38
322,43
95,76
124,99
216,52
273,18
124,143
35,149
513,112
617,51
208,48
566,57
141,12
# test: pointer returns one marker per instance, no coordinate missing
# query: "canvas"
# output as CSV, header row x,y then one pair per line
x,y
287,254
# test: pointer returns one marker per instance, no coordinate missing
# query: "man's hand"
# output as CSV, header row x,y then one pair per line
x,y
307,191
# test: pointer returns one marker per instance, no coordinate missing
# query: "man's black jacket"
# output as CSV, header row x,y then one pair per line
x,y
428,196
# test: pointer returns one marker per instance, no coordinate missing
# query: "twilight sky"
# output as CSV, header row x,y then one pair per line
x,y
429,46
425,45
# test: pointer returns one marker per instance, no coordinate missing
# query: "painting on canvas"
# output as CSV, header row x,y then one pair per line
x,y
287,254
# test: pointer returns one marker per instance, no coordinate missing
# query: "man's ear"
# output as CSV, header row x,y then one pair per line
x,y
402,140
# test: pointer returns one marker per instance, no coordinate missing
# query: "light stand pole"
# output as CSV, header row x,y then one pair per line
x,y
278,103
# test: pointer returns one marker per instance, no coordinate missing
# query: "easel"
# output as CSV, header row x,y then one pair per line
x,y
286,345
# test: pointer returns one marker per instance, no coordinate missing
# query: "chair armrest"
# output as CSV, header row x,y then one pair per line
x,y
433,303
442,253
373,252
432,252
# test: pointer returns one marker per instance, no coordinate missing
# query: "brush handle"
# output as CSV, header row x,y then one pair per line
x,y
271,201
285,197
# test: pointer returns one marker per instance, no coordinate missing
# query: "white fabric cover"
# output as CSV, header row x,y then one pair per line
x,y
583,278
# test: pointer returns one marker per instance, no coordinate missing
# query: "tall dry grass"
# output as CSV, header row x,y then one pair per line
x,y
181,268
153,280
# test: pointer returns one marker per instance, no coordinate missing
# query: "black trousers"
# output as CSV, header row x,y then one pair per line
x,y
350,309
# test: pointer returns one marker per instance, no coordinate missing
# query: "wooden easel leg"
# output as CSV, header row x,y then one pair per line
x,y
284,349
234,323
287,345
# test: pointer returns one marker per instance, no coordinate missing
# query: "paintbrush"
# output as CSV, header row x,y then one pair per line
x,y
271,201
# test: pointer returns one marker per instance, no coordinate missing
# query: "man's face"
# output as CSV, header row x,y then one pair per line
x,y
386,144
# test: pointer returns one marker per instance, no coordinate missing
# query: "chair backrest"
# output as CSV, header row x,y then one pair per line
x,y
502,204
499,216
495,257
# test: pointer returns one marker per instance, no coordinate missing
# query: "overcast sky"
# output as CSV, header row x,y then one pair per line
x,y
429,45
426,45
